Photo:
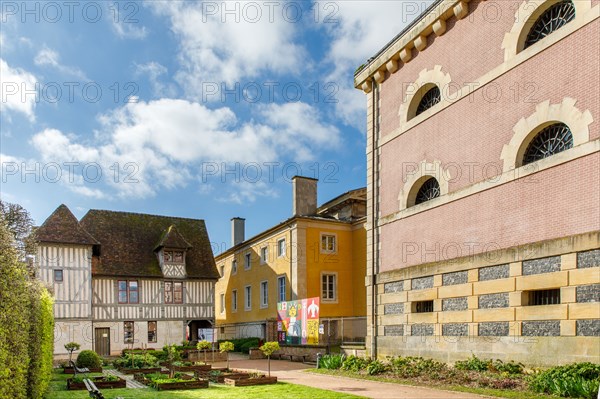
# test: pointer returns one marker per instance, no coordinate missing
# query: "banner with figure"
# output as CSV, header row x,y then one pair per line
x,y
298,322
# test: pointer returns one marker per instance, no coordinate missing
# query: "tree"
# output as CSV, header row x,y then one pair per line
x,y
268,349
72,347
20,224
203,345
226,347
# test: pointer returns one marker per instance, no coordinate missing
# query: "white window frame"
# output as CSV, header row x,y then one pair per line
x,y
264,255
234,266
335,243
279,279
248,297
234,300
335,287
264,295
280,252
247,261
222,305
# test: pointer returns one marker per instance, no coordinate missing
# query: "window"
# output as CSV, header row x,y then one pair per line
x,y
264,294
423,307
173,292
247,259
234,266
151,331
551,140
234,301
128,291
429,99
128,332
544,297
58,276
222,304
281,247
328,243
222,270
281,288
264,254
248,297
428,191
554,18
328,287
173,256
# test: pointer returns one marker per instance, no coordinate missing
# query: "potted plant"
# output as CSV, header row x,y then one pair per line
x,y
268,349
226,347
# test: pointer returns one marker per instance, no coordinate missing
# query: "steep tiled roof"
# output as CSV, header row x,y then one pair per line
x,y
172,239
128,241
62,227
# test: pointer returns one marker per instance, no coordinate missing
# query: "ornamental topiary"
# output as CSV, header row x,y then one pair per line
x,y
89,359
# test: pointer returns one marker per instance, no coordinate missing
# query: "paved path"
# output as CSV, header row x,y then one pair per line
x,y
131,383
292,372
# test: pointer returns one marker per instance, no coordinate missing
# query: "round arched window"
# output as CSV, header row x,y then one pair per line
x,y
551,140
554,18
429,99
428,191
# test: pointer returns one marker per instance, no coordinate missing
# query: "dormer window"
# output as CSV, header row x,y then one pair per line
x,y
173,256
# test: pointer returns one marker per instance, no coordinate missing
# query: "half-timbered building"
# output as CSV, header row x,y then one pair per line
x,y
124,280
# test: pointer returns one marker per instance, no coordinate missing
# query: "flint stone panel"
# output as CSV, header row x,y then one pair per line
x,y
588,328
490,301
421,329
455,330
545,328
422,283
543,265
393,308
494,272
453,304
396,286
588,259
393,331
588,293
494,329
455,278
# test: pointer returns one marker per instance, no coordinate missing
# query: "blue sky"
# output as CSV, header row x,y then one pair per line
x,y
192,109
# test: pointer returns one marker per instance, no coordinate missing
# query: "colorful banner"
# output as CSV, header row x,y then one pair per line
x,y
298,322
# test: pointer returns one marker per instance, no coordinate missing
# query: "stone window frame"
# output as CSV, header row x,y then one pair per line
x,y
234,301
222,305
248,298
335,243
425,170
264,295
329,274
525,17
428,78
545,115
248,261
281,248
264,254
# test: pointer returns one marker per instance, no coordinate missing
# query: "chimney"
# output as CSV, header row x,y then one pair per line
x,y
304,196
237,231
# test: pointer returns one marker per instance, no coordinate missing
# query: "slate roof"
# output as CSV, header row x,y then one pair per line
x,y
62,227
172,239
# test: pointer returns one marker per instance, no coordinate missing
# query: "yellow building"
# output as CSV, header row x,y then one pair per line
x,y
318,252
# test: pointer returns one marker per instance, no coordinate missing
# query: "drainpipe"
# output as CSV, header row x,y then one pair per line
x,y
374,216
291,262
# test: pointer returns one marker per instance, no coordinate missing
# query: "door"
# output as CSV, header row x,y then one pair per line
x,y
102,340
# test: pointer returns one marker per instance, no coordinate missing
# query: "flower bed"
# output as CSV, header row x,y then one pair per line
x,y
71,370
246,382
140,371
100,382
190,367
162,382
220,377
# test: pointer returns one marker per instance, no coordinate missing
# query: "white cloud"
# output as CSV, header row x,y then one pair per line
x,y
16,88
216,48
49,57
129,29
164,144
155,71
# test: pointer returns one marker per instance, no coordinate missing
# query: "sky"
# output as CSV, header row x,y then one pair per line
x,y
199,109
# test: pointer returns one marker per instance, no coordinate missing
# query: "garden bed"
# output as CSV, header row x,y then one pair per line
x,y
100,382
181,381
140,371
220,378
246,382
71,370
196,368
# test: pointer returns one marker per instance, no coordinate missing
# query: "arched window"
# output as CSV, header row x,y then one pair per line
x,y
429,99
428,191
554,18
551,140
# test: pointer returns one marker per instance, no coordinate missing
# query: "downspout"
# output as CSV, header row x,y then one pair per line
x,y
291,262
374,217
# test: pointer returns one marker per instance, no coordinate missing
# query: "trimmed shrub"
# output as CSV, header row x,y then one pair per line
x,y
89,359
41,341
132,360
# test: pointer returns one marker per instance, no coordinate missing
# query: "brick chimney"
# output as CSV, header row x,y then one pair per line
x,y
238,231
304,196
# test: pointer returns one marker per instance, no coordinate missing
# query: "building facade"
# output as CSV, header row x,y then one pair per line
x,y
126,280
483,190
318,252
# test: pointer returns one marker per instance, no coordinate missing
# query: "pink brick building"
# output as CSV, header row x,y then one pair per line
x,y
483,151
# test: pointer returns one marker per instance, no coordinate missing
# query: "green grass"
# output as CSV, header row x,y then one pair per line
x,y
58,390
513,394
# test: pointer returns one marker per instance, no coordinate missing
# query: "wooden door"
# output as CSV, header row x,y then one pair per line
x,y
102,340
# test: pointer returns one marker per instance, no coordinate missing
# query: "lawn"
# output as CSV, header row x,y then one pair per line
x,y
58,390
